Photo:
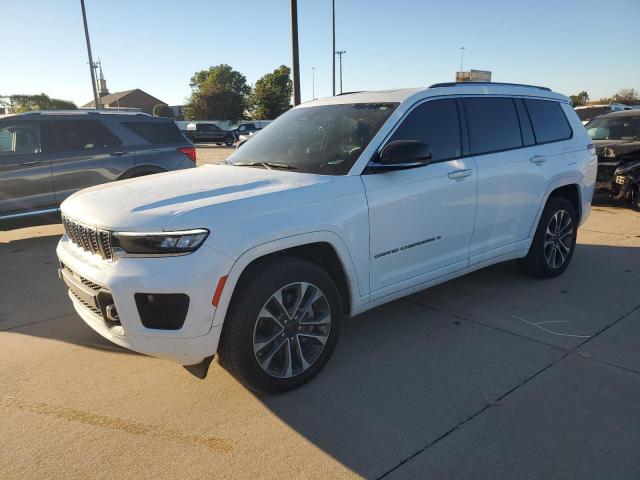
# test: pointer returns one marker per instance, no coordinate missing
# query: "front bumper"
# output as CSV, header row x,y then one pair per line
x,y
195,275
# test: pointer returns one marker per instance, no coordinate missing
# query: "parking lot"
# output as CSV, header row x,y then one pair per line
x,y
493,375
212,154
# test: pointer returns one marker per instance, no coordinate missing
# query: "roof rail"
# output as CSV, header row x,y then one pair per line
x,y
82,111
457,84
348,93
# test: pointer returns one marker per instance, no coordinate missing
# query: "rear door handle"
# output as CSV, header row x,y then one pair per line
x,y
118,154
456,174
538,159
34,162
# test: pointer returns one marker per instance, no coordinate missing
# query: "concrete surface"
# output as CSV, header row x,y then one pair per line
x,y
459,381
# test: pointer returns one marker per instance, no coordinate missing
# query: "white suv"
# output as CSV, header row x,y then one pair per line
x,y
340,205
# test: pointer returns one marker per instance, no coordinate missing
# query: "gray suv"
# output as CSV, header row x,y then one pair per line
x,y
46,156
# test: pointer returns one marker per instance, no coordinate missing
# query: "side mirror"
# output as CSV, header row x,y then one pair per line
x,y
404,154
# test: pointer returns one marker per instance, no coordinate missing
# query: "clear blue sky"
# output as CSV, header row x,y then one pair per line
x,y
157,45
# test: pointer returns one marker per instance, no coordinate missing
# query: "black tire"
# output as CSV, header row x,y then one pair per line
x,y
218,143
537,263
253,292
635,197
229,141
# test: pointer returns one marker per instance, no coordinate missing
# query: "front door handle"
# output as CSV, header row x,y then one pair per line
x,y
457,174
34,162
538,159
118,154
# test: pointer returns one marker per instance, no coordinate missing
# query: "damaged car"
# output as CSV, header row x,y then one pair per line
x,y
616,136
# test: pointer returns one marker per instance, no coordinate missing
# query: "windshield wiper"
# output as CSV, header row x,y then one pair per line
x,y
267,165
283,166
250,164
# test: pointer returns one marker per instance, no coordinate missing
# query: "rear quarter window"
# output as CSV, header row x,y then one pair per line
x,y
548,120
157,133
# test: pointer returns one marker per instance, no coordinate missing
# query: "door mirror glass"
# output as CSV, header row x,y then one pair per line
x,y
404,153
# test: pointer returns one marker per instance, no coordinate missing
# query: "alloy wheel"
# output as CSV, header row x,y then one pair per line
x,y
558,239
292,330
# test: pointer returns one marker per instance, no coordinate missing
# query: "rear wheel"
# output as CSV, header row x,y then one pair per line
x,y
282,325
635,197
554,241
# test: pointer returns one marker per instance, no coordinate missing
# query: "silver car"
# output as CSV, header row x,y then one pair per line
x,y
46,156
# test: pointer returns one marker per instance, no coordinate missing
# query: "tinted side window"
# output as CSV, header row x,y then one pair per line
x,y
434,122
493,124
19,137
549,122
157,132
65,136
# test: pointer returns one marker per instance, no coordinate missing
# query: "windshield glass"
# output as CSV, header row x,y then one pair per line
x,y
326,139
621,127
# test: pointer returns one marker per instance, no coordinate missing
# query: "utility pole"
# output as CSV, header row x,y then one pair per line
x,y
313,83
340,53
92,67
461,57
296,57
333,49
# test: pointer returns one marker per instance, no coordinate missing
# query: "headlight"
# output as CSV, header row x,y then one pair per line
x,y
158,243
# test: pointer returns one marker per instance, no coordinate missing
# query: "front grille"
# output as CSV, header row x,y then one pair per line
x,y
90,239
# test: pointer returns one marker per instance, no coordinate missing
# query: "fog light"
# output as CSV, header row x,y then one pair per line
x,y
162,311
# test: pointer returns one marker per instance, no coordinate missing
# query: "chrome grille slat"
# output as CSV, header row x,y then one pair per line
x,y
89,239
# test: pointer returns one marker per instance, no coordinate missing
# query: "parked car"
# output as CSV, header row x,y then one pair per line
x,y
46,156
341,205
617,139
209,133
589,112
244,129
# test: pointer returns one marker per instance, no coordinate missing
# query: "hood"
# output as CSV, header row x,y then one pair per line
x,y
617,150
157,202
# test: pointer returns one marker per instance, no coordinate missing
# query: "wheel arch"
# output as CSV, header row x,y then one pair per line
x,y
324,249
571,193
568,188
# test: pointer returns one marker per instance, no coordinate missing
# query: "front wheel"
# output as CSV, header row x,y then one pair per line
x,y
282,325
229,141
555,240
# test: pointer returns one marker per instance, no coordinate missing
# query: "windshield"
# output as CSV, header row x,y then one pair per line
x,y
326,139
620,127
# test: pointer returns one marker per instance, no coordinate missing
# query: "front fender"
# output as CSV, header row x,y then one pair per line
x,y
281,244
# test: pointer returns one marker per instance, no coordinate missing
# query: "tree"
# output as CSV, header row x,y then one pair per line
x,y
219,93
271,95
162,110
580,99
628,96
29,103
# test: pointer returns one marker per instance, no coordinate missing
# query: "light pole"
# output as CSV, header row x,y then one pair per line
x,y
96,101
461,57
333,59
313,83
340,53
296,56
